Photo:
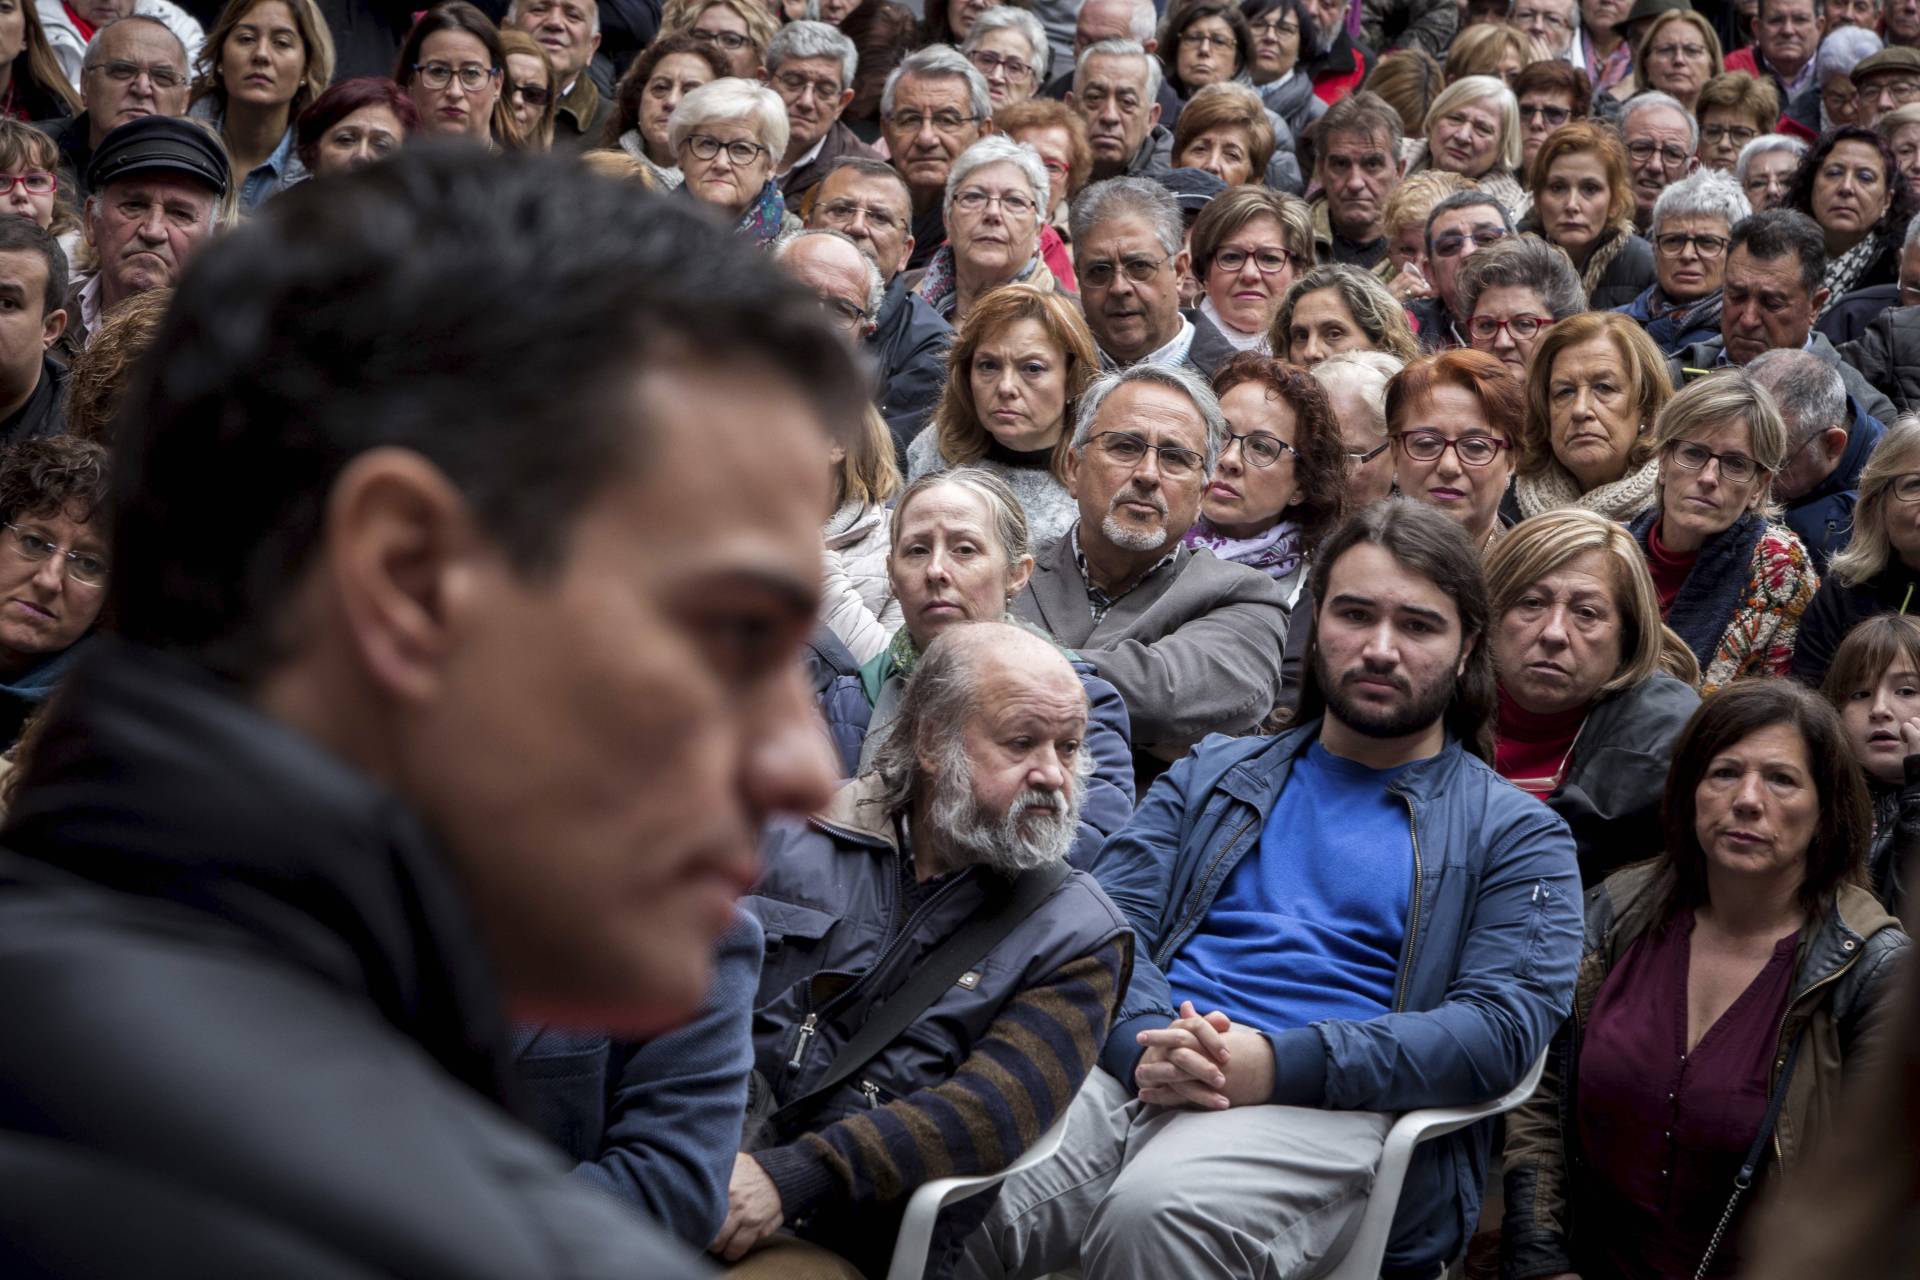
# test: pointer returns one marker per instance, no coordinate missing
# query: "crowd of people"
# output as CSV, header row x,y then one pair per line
x,y
628,630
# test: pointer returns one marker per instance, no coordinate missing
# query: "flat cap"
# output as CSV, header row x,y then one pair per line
x,y
160,144
1895,57
1648,9
1193,188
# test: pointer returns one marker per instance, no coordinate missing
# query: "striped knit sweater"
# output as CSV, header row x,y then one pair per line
x,y
1019,1078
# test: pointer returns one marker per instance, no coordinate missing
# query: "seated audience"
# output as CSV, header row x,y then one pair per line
x,y
1009,47
1018,367
1330,310
665,72
1268,883
452,65
1457,230
1874,683
1192,642
1728,987
1734,109
1850,185
103,372
1828,440
263,63
1583,202
1551,94
1405,223
1128,251
1512,294
1455,419
1473,129
1595,389
1733,583
135,67
1766,167
726,136
1879,570
969,809
811,65
55,525
997,194
1356,386
1589,703
1247,247
1693,223
530,88
354,123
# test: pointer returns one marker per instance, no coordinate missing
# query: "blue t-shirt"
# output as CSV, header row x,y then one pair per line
x,y
1311,924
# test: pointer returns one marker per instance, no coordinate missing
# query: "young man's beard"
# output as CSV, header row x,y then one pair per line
x,y
1422,708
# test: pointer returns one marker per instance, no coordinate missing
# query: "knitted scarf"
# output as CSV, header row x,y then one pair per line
x,y
1555,489
939,287
668,176
764,218
1612,242
1844,270
1711,595
1275,553
1667,321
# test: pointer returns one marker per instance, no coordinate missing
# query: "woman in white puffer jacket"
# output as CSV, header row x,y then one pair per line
x,y
858,604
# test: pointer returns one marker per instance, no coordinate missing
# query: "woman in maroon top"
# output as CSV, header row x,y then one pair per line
x,y
1750,943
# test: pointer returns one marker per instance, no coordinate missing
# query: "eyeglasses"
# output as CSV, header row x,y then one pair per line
x,y
841,213
1275,27
1554,117
796,84
1206,40
943,121
1261,449
1528,17
1646,149
1450,245
1839,100
1899,91
534,95
1360,457
1737,467
844,313
1427,446
705,147
731,41
438,75
1139,269
1739,135
1521,327
1674,244
87,570
1269,261
1907,487
1678,51
1012,203
37,183
990,62
161,77
1127,450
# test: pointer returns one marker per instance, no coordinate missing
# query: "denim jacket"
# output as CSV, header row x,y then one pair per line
x,y
1486,971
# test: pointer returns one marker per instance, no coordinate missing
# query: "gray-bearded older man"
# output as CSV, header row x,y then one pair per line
x,y
970,809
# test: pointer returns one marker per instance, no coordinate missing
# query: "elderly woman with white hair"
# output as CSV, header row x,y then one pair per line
x,y
1765,169
1832,99
1356,385
1692,226
993,203
727,137
1009,46
1473,129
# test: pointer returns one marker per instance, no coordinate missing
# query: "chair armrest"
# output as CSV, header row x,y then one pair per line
x,y
923,1211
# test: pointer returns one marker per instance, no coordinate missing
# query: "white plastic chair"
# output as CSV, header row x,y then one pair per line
x,y
1369,1242
923,1211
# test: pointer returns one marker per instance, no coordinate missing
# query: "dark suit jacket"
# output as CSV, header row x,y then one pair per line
x,y
1194,649
1210,348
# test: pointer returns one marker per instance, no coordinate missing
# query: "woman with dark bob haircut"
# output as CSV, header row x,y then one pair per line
x,y
1850,183
354,123
1728,986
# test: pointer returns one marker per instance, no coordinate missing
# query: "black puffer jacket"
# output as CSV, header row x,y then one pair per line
x,y
1887,355
1896,840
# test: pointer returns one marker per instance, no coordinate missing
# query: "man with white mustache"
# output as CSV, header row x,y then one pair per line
x,y
1192,643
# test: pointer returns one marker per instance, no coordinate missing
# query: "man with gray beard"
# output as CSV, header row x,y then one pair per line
x,y
968,813
1192,643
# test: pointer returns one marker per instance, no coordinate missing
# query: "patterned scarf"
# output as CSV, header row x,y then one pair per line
x,y
939,287
1668,320
763,219
1844,270
1716,586
1275,553
1555,489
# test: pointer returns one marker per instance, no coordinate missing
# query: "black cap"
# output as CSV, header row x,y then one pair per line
x,y
1193,188
160,144
1648,9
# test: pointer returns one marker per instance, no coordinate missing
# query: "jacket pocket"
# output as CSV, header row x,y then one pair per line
x,y
1542,902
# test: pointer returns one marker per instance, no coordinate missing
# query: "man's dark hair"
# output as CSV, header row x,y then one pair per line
x,y
867,167
1776,233
490,313
1467,200
53,476
1427,543
24,235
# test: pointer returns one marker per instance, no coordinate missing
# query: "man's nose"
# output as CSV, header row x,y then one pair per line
x,y
788,764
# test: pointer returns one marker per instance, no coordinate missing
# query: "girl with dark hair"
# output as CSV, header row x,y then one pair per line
x,y
1874,683
1850,184
1727,986
672,67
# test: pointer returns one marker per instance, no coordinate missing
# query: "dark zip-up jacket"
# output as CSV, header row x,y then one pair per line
x,y
1823,516
1485,976
1837,607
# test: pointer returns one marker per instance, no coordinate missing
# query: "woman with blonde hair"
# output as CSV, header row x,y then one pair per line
x,y
1473,129
857,603
738,30
1583,202
1334,309
1879,571
1492,49
1015,373
1677,54
1594,687
530,89
262,64
1733,582
1408,80
1596,384
1406,223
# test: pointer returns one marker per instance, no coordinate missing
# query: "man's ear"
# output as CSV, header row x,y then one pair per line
x,y
1151,44
1820,297
1466,651
86,221
400,545
52,326
1153,115
1073,474
1833,443
846,97
1693,163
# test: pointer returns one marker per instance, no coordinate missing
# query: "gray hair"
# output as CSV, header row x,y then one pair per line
x,y
1473,198
1761,146
1367,373
1007,517
1703,194
1179,378
1810,393
814,40
1024,24
1843,47
1120,49
1128,198
1654,98
1143,21
732,99
994,149
934,62
594,5
1523,262
876,286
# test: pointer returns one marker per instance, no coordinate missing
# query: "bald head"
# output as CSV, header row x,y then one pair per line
x,y
845,280
1813,403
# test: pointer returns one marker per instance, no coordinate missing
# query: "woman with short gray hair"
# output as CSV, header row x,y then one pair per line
x,y
995,196
1009,47
727,137
1512,291
1765,169
1693,224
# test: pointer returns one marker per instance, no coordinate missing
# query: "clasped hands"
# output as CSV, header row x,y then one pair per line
x,y
1206,1062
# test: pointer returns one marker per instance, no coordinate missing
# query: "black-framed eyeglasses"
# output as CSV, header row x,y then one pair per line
x,y
161,77
1275,27
1645,149
705,147
1269,261
1427,446
1450,245
1360,457
990,62
1127,449
1674,243
731,41
1738,134
1260,449
88,570
845,314
1140,269
1907,487
1737,467
438,75
1522,327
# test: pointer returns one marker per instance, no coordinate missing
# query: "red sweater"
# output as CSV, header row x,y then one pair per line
x,y
1529,749
1669,568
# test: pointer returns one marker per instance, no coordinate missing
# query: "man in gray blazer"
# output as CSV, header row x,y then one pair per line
x,y
1192,643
